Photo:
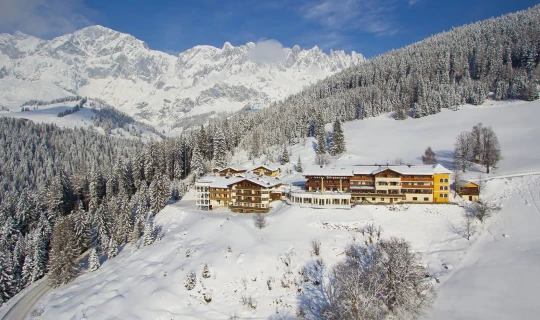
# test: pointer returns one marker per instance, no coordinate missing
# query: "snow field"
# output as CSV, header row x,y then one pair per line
x,y
149,284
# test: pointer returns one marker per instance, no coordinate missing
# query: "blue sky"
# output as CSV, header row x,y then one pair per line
x,y
370,27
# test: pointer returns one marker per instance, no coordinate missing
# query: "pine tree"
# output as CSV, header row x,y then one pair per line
x,y
159,194
197,162
285,156
93,260
63,254
113,249
220,148
134,236
337,146
149,233
7,281
299,165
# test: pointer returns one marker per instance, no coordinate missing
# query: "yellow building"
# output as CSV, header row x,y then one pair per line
x,y
266,171
381,184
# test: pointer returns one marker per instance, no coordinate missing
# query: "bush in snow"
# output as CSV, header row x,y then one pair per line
x,y
190,281
483,209
249,302
206,272
93,260
316,247
207,296
259,220
377,281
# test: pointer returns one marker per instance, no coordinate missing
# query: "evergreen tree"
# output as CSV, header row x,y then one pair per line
x,y
285,156
337,146
220,149
113,249
197,162
93,260
159,194
7,281
299,167
149,233
63,254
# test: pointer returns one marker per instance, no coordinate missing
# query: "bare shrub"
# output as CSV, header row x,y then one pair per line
x,y
316,247
469,228
259,220
483,209
249,302
382,280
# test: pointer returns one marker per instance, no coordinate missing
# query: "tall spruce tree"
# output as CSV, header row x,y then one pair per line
x,y
337,145
220,149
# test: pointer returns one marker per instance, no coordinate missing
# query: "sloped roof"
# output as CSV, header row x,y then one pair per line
x,y
340,171
266,167
261,182
349,171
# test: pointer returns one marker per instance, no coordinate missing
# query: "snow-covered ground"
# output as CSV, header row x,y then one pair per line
x,y
493,276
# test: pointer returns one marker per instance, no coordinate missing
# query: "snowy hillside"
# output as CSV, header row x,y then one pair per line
x,y
152,85
496,270
83,118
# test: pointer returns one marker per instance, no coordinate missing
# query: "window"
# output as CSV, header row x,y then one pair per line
x,y
382,199
445,180
395,199
373,199
441,180
441,188
445,188
415,198
446,195
426,199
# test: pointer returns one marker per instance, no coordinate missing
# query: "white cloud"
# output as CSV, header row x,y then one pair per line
x,y
44,18
373,16
413,2
267,51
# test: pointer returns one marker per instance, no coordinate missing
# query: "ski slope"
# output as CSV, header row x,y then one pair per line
x,y
493,276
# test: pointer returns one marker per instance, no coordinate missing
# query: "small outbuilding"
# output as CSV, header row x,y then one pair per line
x,y
469,190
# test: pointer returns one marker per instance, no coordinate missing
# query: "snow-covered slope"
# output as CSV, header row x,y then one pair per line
x,y
490,271
84,118
152,85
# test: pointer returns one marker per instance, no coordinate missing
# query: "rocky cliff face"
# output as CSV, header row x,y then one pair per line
x,y
152,85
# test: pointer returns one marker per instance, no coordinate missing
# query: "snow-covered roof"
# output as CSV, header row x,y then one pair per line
x,y
267,168
349,171
340,171
411,170
231,168
218,182
264,182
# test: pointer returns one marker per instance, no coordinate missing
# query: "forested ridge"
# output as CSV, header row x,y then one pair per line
x,y
66,191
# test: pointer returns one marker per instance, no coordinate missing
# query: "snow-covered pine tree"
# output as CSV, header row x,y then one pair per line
x,y
93,260
149,232
337,145
159,193
285,156
197,162
63,254
113,249
7,281
220,148
299,165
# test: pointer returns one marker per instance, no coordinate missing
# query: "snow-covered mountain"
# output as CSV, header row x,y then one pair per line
x,y
152,85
